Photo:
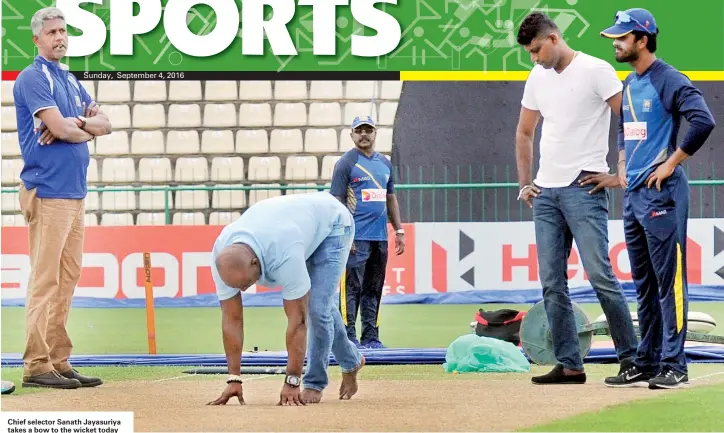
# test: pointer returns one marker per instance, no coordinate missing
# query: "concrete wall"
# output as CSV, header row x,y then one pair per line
x,y
469,128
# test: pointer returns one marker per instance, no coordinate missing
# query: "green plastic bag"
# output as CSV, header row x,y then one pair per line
x,y
472,353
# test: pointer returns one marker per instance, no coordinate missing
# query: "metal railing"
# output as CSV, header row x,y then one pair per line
x,y
433,202
497,203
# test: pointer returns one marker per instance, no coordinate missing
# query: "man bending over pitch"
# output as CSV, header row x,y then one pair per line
x,y
299,243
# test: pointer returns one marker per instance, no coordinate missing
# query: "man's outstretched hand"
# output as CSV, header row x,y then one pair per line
x,y
290,395
232,389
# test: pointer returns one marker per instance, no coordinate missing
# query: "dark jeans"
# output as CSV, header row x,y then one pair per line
x,y
562,215
362,288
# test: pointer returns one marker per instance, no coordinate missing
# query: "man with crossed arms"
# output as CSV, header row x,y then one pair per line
x,y
56,120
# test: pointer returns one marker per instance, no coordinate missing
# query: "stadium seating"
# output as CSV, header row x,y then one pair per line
x,y
7,93
11,169
13,220
223,218
151,219
10,144
195,133
117,219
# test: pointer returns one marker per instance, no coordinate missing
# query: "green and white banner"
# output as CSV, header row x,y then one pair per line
x,y
407,39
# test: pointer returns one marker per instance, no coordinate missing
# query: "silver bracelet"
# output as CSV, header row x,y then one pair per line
x,y
520,193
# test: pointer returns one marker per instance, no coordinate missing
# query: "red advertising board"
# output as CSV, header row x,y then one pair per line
x,y
180,257
400,277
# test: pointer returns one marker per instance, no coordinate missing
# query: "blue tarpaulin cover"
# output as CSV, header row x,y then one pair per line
x,y
697,293
433,356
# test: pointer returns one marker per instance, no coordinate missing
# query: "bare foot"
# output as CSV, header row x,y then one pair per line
x,y
311,396
349,382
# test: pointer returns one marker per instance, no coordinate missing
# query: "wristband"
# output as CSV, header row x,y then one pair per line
x,y
234,378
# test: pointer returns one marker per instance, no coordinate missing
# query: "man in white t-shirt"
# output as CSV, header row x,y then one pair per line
x,y
574,93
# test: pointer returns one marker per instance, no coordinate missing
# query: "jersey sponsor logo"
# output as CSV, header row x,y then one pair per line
x,y
361,179
374,195
647,105
655,213
634,131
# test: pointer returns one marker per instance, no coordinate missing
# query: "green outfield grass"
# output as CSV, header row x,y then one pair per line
x,y
700,410
197,330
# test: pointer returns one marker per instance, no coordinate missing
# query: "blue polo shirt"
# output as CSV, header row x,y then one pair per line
x,y
57,170
283,232
365,182
651,111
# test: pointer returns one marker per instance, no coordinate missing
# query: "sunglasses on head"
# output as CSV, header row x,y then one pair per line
x,y
623,17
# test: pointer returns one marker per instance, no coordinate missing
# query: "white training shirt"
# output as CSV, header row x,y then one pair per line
x,y
576,117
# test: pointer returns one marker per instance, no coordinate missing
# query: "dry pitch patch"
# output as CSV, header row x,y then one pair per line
x,y
497,402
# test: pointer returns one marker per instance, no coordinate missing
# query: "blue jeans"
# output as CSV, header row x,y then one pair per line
x,y
562,215
326,331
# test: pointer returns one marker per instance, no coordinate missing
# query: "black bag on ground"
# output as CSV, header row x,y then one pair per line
x,y
501,324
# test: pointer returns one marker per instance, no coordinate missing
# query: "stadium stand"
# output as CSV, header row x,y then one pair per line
x,y
212,133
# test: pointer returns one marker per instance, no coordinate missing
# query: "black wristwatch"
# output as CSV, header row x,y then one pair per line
x,y
293,381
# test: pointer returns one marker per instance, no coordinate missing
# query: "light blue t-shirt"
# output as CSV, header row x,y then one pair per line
x,y
283,232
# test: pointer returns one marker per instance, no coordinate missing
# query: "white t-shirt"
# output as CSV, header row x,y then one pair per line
x,y
576,117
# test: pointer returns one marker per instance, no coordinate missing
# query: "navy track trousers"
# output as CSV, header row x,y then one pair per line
x,y
655,224
363,284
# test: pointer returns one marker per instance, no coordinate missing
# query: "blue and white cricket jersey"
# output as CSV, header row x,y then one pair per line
x,y
283,232
365,182
652,106
59,169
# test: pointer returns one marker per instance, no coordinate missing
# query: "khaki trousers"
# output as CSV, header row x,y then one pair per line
x,y
55,237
